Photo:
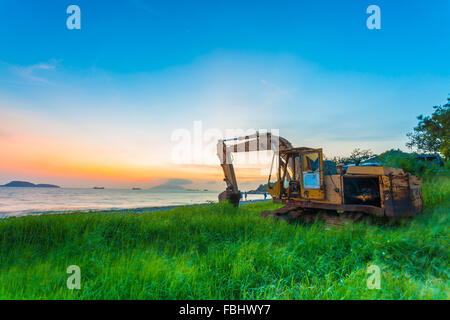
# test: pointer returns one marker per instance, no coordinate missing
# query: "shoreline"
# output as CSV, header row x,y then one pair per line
x,y
7,215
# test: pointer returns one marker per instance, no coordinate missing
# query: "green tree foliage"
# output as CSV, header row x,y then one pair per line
x,y
432,133
414,164
261,189
357,155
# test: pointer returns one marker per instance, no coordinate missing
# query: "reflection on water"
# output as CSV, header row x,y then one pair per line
x,y
19,201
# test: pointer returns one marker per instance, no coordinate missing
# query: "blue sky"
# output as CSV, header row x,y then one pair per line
x,y
151,35
137,70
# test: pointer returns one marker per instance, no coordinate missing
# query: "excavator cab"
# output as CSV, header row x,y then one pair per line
x,y
300,175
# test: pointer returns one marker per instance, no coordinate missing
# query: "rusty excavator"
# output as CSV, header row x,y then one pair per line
x,y
310,187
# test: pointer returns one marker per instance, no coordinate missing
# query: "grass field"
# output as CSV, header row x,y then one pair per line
x,y
217,252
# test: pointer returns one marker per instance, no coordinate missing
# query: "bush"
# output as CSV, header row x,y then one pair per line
x,y
409,162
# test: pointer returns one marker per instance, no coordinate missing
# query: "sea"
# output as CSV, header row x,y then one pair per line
x,y
25,201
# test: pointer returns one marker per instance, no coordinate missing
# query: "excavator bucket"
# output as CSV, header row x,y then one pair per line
x,y
232,197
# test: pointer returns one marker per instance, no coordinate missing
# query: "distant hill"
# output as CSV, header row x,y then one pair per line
x,y
25,184
46,185
261,189
167,187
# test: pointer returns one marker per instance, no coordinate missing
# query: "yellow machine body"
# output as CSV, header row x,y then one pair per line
x,y
303,180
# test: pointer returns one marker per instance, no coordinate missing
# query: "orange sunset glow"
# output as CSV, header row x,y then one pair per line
x,y
57,160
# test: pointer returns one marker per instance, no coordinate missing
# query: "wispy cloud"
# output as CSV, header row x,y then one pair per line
x,y
36,72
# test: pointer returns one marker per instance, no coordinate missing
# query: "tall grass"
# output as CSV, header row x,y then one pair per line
x,y
218,252
436,192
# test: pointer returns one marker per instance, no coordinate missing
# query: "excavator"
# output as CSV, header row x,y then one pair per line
x,y
309,186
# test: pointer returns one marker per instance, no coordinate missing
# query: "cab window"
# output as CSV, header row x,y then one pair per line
x,y
311,170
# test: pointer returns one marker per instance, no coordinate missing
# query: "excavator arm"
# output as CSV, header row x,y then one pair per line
x,y
255,142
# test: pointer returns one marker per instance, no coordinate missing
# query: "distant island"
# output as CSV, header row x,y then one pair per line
x,y
98,188
260,190
25,184
174,188
168,187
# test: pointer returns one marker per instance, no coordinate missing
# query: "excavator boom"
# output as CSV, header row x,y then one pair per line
x,y
254,142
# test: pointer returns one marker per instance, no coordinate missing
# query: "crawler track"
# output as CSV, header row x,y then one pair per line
x,y
293,214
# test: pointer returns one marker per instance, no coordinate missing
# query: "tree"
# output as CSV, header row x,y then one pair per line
x,y
432,134
357,155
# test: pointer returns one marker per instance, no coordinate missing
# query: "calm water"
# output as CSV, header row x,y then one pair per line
x,y
20,201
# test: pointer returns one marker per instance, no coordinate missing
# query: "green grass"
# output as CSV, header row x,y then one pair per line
x,y
217,252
